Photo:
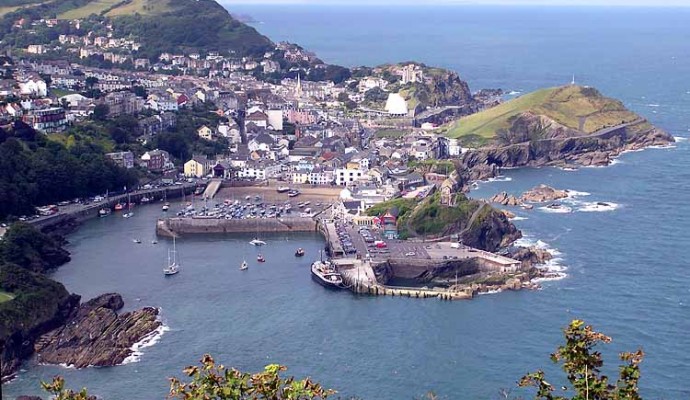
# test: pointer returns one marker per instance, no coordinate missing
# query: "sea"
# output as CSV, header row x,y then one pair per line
x,y
624,265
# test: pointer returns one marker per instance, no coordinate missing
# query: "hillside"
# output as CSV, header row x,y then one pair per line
x,y
159,25
571,110
478,224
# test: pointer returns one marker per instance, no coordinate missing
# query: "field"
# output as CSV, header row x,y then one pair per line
x,y
7,7
390,133
5,297
576,107
144,7
94,7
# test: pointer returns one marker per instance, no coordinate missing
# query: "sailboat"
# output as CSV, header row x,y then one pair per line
x,y
256,241
129,212
172,268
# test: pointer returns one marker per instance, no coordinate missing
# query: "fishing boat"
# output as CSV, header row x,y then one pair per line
x,y
244,265
119,207
260,258
172,268
257,242
145,200
325,275
103,212
137,241
166,206
299,252
283,189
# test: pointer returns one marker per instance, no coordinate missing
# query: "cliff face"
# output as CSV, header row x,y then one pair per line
x,y
40,305
537,141
97,335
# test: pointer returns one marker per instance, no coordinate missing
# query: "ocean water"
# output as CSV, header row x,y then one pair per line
x,y
626,266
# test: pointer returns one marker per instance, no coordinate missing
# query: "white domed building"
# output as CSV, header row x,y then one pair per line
x,y
396,105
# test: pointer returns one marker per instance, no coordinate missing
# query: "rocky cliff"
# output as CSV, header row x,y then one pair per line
x,y
96,335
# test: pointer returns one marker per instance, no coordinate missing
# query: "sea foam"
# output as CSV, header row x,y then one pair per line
x,y
553,269
147,341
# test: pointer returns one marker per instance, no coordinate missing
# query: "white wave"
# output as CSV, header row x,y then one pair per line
x,y
148,341
560,210
680,139
500,178
663,146
598,206
518,218
631,151
553,269
490,292
568,169
615,161
575,193
514,92
653,105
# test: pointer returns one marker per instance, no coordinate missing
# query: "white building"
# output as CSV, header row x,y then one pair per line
x,y
396,105
346,176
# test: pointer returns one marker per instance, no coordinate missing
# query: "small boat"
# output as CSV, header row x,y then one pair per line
x,y
127,215
244,266
166,206
283,189
145,200
119,207
299,252
325,274
257,242
260,258
172,268
154,242
103,212
137,241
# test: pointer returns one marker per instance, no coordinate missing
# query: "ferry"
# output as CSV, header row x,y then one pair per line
x,y
283,189
324,274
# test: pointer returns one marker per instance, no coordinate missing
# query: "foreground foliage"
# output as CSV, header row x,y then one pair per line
x,y
582,364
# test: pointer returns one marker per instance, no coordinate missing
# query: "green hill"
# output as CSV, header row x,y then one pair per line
x,y
577,110
159,25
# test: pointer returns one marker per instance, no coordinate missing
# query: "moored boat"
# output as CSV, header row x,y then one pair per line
x,y
119,207
257,242
166,206
299,252
282,189
244,266
104,212
325,274
260,258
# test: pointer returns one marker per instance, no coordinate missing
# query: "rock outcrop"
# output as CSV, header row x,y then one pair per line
x,y
529,256
537,141
505,199
97,335
542,194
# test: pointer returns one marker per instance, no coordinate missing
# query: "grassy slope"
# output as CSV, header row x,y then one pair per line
x,y
4,296
94,7
144,7
9,6
573,106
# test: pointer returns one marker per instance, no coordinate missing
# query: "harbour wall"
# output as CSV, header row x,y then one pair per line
x,y
183,226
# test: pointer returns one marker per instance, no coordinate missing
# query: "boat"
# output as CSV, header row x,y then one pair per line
x,y
172,268
145,200
119,207
154,242
257,242
166,206
283,189
137,241
293,193
127,215
104,212
325,274
299,252
129,212
260,258
244,265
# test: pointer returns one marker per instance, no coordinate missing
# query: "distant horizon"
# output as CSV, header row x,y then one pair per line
x,y
520,3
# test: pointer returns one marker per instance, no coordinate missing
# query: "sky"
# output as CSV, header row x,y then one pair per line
x,y
607,3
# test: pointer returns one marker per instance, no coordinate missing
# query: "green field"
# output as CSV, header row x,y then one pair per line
x,y
61,92
94,7
4,296
144,7
390,133
575,107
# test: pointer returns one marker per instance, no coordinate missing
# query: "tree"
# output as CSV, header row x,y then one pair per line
x,y
343,97
100,112
582,365
375,95
90,82
57,389
211,381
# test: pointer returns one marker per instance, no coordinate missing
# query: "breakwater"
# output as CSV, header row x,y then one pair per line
x,y
169,227
76,213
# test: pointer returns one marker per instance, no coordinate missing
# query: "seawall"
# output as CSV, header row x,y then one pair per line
x,y
182,226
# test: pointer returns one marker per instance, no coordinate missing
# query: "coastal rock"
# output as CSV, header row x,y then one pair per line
x,y
508,214
542,194
97,335
529,256
506,199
